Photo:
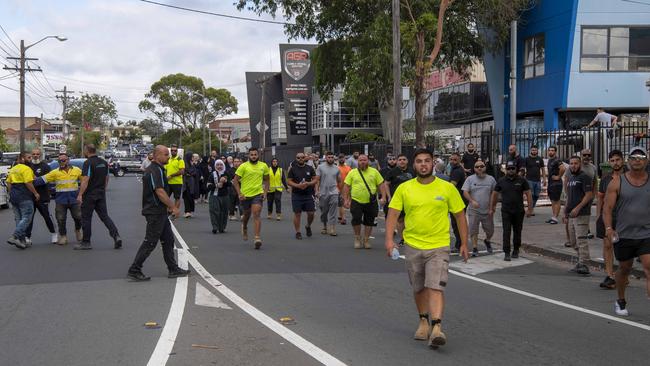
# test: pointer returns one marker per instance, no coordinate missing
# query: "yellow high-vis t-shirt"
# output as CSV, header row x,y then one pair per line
x,y
172,167
251,178
358,190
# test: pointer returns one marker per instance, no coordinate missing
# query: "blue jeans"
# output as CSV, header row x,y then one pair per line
x,y
23,212
535,190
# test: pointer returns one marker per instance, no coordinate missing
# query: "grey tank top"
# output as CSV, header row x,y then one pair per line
x,y
633,210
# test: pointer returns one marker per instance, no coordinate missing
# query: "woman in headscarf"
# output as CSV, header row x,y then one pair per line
x,y
218,185
190,183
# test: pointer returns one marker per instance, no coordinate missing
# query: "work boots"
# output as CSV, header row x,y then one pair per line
x,y
332,230
357,242
366,242
437,337
423,331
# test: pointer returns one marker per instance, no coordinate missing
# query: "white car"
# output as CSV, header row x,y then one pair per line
x,y
4,197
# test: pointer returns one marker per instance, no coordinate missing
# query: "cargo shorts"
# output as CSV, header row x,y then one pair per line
x,y
427,268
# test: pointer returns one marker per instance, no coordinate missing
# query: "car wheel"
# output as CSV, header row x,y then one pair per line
x,y
4,207
121,172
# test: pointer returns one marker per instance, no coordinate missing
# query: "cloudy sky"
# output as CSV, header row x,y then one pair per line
x,y
120,47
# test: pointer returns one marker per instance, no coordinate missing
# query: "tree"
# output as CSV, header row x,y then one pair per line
x,y
355,41
184,102
151,127
4,146
90,137
97,110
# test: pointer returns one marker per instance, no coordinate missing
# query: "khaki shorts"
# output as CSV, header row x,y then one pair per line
x,y
427,268
474,219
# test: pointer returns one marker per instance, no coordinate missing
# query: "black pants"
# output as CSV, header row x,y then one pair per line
x,y
274,197
158,228
97,204
44,209
188,201
234,202
454,227
512,221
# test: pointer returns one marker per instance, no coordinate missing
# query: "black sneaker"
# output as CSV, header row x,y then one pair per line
x,y
298,236
515,254
179,272
401,243
117,242
488,246
137,276
308,231
506,257
590,235
214,231
475,252
258,243
83,246
582,269
608,283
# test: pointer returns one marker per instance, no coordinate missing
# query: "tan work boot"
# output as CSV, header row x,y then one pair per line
x,y
63,240
357,242
366,243
278,217
269,217
423,331
332,231
437,337
79,235
324,230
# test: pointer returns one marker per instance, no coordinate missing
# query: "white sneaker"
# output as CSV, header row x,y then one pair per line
x,y
28,241
55,238
620,310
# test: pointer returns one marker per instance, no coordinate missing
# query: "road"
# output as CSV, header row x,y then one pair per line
x,y
64,307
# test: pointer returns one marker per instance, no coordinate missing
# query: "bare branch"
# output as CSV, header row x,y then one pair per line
x,y
408,7
444,4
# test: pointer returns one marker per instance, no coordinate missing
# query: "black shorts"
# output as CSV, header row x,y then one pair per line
x,y
628,249
249,201
554,191
364,213
303,204
401,214
175,191
600,227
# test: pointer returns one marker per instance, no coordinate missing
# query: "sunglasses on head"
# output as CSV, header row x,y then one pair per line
x,y
638,157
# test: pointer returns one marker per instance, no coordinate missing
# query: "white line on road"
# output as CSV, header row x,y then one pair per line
x,y
203,297
551,301
170,330
306,346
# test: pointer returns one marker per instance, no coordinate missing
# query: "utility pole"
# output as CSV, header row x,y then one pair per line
x,y
397,81
42,139
262,83
21,68
64,100
83,126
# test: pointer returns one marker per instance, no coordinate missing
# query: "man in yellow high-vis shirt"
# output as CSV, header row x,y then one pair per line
x,y
22,195
175,169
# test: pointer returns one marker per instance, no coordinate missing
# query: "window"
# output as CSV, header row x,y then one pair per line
x,y
534,52
615,49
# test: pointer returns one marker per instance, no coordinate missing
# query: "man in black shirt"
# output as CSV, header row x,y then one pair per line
x,y
391,163
513,155
555,184
92,197
457,175
535,173
577,211
616,163
156,205
398,175
469,159
512,188
41,168
302,179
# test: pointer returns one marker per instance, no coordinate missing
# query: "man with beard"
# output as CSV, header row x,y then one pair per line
x,y
175,169
398,175
352,161
329,177
616,162
344,169
251,183
513,155
590,169
360,196
554,188
469,159
427,202
302,179
512,188
627,197
40,168
477,190
391,163
577,211
535,174
457,176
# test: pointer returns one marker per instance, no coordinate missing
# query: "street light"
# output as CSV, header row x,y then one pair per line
x,y
23,50
647,84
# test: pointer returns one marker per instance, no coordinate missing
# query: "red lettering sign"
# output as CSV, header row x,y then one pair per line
x,y
297,56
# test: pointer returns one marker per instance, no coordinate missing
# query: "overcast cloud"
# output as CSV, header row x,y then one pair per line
x,y
120,47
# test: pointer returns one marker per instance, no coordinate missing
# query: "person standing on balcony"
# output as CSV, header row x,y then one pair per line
x,y
604,120
535,174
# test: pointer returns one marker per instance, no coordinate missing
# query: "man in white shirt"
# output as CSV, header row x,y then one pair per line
x,y
604,119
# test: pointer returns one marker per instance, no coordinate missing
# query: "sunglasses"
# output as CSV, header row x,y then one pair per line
x,y
586,155
638,157
482,166
511,168
300,157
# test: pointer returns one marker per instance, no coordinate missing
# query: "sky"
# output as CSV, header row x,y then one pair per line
x,y
120,47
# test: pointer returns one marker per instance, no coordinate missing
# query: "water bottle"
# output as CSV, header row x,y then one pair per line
x,y
615,237
394,255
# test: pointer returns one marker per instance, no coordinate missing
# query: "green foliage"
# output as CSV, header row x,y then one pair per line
x,y
184,101
151,127
190,142
90,137
97,110
362,137
4,146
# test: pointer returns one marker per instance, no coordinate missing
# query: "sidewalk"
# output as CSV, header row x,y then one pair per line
x,y
548,240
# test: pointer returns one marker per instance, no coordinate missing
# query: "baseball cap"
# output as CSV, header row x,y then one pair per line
x,y
511,164
638,149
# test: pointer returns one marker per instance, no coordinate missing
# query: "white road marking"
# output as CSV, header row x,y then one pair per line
x,y
204,297
170,330
487,263
554,302
306,346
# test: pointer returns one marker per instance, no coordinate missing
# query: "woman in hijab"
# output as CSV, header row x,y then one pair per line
x,y
191,183
218,185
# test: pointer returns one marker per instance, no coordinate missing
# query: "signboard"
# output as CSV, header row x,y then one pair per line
x,y
297,83
52,138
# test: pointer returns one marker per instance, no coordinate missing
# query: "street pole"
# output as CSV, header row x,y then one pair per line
x,y
397,81
332,122
513,74
64,100
42,138
83,127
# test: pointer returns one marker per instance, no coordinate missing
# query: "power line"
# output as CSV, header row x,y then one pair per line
x,y
12,41
216,14
6,87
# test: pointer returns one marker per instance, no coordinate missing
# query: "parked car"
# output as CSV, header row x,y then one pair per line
x,y
127,165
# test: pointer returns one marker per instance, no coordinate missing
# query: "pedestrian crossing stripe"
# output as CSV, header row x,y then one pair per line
x,y
488,263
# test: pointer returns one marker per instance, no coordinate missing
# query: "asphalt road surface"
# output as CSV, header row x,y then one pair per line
x,y
345,306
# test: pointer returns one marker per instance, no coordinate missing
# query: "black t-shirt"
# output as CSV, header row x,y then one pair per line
x,y
457,174
534,167
301,174
554,165
397,176
512,193
96,169
519,162
385,170
577,187
469,160
604,183
40,170
154,178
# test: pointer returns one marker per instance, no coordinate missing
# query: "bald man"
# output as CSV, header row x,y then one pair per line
x,y
156,206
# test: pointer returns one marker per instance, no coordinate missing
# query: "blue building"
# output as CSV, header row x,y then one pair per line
x,y
572,57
